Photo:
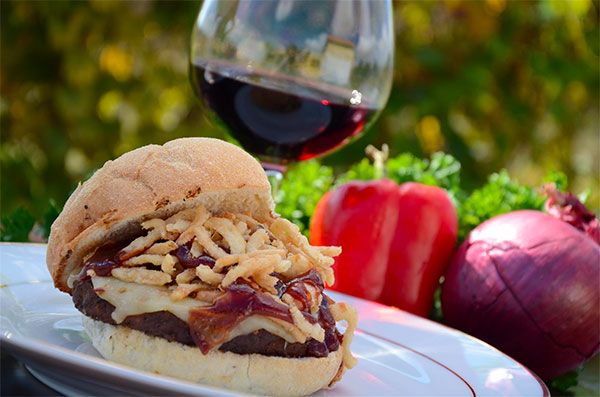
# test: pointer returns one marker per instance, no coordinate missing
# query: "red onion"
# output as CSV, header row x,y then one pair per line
x,y
529,284
567,207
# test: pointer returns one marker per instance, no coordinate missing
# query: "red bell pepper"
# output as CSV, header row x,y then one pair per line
x,y
396,240
360,217
425,239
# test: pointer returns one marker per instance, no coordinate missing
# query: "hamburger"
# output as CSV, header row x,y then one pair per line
x,y
180,266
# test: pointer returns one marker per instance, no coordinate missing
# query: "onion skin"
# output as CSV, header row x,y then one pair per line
x,y
528,284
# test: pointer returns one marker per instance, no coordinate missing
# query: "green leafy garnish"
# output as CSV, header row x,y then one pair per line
x,y
304,185
361,171
557,178
301,189
442,170
499,195
563,382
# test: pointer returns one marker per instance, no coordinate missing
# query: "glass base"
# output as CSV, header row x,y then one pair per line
x,y
275,174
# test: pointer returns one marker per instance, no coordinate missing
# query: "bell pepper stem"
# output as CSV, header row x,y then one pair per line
x,y
379,158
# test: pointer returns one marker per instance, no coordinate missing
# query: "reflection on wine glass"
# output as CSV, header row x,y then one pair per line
x,y
293,79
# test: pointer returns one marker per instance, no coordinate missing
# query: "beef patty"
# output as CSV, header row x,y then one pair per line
x,y
170,327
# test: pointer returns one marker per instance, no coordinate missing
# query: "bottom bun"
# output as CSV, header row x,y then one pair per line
x,y
250,373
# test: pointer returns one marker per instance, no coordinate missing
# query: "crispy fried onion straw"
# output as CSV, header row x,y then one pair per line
x,y
243,248
344,312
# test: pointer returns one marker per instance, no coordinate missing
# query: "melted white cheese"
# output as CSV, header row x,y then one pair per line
x,y
254,323
130,299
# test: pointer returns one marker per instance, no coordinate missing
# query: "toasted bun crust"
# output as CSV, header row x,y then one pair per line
x,y
250,373
154,181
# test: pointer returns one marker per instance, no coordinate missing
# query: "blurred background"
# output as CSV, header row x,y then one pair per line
x,y
495,83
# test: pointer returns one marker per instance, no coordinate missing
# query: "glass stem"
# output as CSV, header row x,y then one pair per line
x,y
275,174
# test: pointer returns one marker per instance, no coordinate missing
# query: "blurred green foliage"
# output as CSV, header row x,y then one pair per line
x,y
497,84
17,226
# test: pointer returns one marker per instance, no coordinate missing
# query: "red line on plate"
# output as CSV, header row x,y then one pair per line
x,y
422,355
545,391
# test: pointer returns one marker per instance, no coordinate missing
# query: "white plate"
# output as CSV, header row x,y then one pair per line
x,y
399,354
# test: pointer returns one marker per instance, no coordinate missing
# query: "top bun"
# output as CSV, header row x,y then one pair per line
x,y
149,182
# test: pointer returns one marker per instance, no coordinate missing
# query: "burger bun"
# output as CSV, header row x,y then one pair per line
x,y
249,373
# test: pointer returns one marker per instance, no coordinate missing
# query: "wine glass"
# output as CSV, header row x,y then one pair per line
x,y
293,79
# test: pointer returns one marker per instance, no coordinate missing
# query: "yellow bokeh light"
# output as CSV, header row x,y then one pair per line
x,y
429,133
576,94
496,6
116,62
572,7
108,105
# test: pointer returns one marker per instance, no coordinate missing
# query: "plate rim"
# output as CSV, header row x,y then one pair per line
x,y
545,390
73,358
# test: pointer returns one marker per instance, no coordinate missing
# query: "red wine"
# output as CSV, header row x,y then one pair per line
x,y
280,125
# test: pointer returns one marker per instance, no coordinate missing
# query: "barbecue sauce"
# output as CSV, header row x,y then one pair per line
x,y
188,261
102,261
109,256
296,288
210,325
